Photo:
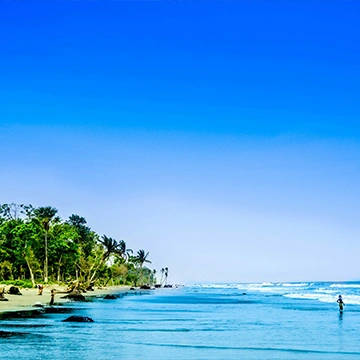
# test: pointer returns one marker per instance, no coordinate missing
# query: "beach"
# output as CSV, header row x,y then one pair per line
x,y
30,298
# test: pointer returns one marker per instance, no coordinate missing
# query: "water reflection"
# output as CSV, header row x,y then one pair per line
x,y
340,317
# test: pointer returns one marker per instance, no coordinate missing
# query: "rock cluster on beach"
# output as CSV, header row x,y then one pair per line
x,y
31,299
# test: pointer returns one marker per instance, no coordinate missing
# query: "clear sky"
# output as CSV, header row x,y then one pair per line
x,y
220,136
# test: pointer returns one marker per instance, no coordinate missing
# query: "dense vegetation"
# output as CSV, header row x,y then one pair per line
x,y
37,246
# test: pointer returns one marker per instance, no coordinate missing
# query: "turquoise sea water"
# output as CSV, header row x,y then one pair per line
x,y
214,321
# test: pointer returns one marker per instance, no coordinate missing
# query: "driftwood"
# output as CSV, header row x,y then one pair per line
x,y
76,286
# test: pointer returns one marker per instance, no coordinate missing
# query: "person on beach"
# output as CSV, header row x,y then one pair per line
x,y
341,303
40,289
52,297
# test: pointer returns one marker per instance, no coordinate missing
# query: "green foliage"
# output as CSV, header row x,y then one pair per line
x,y
5,270
36,245
20,283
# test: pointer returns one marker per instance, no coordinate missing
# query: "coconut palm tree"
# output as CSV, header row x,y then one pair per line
x,y
46,215
154,276
162,275
166,275
141,258
123,251
111,246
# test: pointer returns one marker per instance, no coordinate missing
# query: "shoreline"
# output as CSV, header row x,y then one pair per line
x,y
31,301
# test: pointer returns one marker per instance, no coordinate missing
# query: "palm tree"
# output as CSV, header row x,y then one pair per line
x,y
111,246
154,276
122,251
141,258
162,275
46,217
166,275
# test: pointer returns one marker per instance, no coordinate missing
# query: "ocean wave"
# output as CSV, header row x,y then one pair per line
x,y
326,291
312,296
352,299
248,348
212,286
272,290
355,286
327,298
321,291
240,286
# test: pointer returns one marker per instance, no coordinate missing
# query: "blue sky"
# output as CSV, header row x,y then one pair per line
x,y
221,136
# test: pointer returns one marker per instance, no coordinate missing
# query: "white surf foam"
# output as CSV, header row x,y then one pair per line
x,y
294,284
312,296
346,286
326,291
349,299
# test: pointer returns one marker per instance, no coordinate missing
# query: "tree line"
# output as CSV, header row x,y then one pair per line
x,y
36,245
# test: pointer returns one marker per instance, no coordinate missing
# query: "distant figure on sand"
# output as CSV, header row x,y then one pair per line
x,y
40,289
52,297
341,303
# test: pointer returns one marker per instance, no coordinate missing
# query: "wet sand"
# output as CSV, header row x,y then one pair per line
x,y
30,297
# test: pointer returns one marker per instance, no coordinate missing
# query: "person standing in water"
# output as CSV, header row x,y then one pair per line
x,y
52,297
341,303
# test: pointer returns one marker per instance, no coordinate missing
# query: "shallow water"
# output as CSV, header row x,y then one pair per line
x,y
228,321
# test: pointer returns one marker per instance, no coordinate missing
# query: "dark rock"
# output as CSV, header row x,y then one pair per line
x,y
39,305
3,299
75,296
145,287
76,318
14,291
157,286
168,286
132,288
110,297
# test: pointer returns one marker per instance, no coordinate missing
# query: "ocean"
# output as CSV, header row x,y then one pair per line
x,y
199,322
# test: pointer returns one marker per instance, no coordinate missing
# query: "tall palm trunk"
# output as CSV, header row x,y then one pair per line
x,y
46,275
31,272
59,270
166,275
92,277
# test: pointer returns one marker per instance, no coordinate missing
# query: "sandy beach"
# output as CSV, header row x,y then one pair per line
x,y
30,297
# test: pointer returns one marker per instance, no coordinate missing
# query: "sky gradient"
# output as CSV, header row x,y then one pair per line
x,y
220,136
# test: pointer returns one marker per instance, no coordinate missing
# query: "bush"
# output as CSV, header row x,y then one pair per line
x,y
19,283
